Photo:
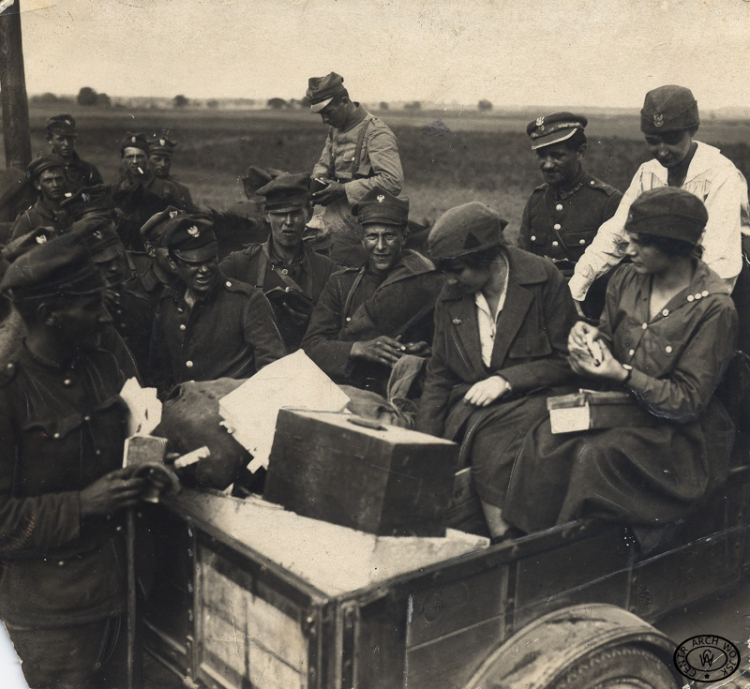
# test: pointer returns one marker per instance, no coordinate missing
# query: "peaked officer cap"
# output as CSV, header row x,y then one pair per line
x,y
552,129
380,206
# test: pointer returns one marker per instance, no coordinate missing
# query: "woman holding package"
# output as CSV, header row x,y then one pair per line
x,y
500,348
666,337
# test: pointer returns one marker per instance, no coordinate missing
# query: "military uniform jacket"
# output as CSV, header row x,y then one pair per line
x,y
61,428
530,349
560,224
39,215
166,189
186,200
81,173
378,163
230,334
310,272
358,305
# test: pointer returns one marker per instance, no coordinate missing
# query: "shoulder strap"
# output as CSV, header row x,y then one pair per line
x,y
263,260
350,296
260,278
361,143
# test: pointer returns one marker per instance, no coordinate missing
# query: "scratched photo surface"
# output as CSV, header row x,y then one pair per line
x,y
457,84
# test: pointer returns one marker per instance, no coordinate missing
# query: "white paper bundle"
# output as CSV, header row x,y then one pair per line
x,y
293,382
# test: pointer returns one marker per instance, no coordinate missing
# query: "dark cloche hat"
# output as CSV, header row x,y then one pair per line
x,y
58,266
156,227
380,206
100,238
321,90
668,212
669,109
134,140
465,229
286,192
62,124
161,145
45,162
191,239
552,129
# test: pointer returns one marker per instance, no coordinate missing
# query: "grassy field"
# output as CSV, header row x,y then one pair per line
x,y
467,156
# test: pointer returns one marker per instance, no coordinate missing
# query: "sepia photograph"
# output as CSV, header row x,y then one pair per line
x,y
375,344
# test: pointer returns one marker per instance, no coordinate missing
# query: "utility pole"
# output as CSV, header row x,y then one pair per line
x,y
15,105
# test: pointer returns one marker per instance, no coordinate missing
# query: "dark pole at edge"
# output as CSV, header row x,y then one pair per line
x,y
15,106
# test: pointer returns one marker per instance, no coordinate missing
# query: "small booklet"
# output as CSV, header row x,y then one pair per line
x,y
591,410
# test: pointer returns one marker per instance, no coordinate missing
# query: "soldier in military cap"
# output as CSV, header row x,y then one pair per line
x,y
61,136
290,273
669,121
139,193
160,152
125,299
62,429
361,153
562,216
153,267
367,318
217,327
47,176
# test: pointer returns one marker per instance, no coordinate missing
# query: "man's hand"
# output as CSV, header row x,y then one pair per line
x,y
422,349
328,195
382,350
486,391
111,493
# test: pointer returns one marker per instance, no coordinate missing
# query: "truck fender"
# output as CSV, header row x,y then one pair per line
x,y
543,651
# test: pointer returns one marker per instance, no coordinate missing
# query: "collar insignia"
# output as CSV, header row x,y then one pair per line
x,y
194,231
172,214
658,120
41,239
98,234
381,198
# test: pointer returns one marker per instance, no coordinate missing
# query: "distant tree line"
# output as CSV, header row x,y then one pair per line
x,y
88,97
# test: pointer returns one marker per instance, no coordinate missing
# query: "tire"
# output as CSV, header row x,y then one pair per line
x,y
626,667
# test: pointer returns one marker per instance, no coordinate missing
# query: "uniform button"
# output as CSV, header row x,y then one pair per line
x,y
348,318
118,312
533,237
705,292
55,435
67,382
555,243
690,297
665,312
61,563
644,325
123,325
581,241
228,284
557,226
183,326
87,418
189,364
97,452
592,182
284,271
559,207
179,310
631,352
10,366
668,349
698,295
286,289
118,528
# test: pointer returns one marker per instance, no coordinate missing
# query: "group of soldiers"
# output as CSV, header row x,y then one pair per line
x,y
130,280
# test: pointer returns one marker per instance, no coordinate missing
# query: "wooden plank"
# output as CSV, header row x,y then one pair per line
x,y
446,609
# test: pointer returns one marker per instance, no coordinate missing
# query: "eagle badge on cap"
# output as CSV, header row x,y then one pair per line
x,y
172,214
540,123
132,138
41,239
98,234
162,142
658,120
68,122
193,231
85,197
381,198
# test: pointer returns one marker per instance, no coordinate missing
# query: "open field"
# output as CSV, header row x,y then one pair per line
x,y
470,156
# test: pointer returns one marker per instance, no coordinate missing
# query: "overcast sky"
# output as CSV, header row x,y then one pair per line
x,y
512,52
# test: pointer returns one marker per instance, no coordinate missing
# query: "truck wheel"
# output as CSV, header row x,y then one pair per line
x,y
627,667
